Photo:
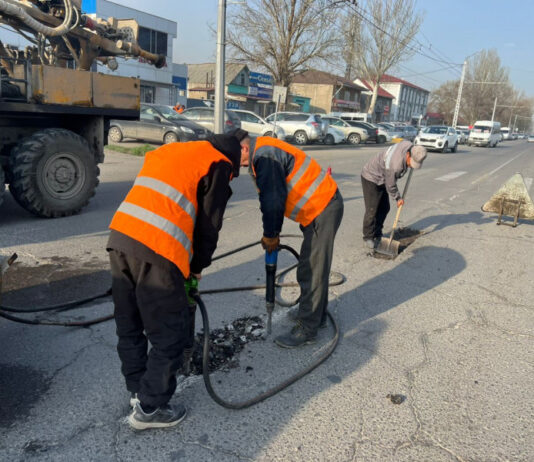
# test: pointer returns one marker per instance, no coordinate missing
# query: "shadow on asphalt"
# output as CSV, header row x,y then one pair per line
x,y
438,222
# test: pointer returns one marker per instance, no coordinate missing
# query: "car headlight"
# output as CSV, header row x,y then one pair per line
x,y
187,130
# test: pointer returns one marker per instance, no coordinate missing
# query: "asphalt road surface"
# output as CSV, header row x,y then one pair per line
x,y
448,325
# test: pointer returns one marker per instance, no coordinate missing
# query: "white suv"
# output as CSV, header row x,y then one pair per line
x,y
438,138
354,135
255,125
302,127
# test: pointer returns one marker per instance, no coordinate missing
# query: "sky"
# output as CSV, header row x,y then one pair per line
x,y
451,31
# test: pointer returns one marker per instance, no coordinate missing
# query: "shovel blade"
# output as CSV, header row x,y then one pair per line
x,y
385,247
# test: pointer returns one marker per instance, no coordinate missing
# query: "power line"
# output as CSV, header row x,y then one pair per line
x,y
362,15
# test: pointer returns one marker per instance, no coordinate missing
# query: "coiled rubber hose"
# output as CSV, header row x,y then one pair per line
x,y
206,329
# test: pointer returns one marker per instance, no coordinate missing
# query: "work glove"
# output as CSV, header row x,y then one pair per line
x,y
400,202
270,244
191,286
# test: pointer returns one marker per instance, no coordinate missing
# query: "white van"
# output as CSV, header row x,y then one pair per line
x,y
485,133
357,116
506,133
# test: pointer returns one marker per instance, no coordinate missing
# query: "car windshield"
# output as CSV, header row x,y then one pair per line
x,y
169,113
482,129
436,130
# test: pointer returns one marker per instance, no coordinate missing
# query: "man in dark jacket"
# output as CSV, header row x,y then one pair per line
x,y
165,230
379,180
292,184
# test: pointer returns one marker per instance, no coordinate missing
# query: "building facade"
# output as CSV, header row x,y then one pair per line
x,y
384,101
410,102
327,92
156,35
244,89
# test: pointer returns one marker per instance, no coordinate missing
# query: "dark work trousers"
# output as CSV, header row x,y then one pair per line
x,y
376,201
150,304
313,270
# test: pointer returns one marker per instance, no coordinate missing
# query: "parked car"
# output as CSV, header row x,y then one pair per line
x,y
530,138
158,124
462,137
386,125
334,136
371,130
302,127
353,135
256,125
205,116
438,138
409,132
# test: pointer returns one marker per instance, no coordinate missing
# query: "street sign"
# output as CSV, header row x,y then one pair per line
x,y
279,94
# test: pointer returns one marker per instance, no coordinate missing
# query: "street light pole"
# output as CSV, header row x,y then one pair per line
x,y
219,71
459,98
494,107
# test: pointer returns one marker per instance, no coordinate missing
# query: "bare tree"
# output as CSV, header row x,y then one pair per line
x,y
485,80
380,32
284,37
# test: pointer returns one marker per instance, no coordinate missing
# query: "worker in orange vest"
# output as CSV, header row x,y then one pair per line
x,y
165,230
179,108
292,184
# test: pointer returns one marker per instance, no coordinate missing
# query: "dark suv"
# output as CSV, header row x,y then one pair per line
x,y
159,124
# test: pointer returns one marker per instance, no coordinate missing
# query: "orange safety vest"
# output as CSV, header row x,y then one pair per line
x,y
309,188
160,210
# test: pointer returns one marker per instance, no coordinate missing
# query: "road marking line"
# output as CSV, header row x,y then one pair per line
x,y
450,176
483,177
528,183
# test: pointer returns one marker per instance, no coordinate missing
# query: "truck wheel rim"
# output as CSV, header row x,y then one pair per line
x,y
63,176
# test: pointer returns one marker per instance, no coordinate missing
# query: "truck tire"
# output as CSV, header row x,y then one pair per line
x,y
2,184
53,173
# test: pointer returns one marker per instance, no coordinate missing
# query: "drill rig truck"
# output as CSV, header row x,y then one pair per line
x,y
54,109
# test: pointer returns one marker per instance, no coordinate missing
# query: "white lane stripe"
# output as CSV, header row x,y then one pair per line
x,y
450,176
528,183
483,177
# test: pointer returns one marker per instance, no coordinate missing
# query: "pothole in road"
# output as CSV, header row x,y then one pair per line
x,y
406,237
227,343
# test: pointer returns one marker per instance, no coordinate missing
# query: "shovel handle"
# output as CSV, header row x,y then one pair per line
x,y
395,223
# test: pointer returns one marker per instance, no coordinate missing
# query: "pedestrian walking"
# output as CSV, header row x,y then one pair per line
x,y
165,230
379,181
293,185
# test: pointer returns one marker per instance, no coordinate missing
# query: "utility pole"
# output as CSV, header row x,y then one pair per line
x,y
459,98
219,71
494,107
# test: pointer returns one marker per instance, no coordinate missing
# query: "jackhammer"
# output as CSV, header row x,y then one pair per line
x,y
271,259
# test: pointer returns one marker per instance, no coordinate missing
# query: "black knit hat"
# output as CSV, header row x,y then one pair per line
x,y
230,146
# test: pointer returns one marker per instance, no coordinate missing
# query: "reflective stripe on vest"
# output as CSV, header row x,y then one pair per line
x,y
309,188
306,197
172,193
159,222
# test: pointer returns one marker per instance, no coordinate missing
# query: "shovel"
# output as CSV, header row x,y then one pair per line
x,y
389,247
